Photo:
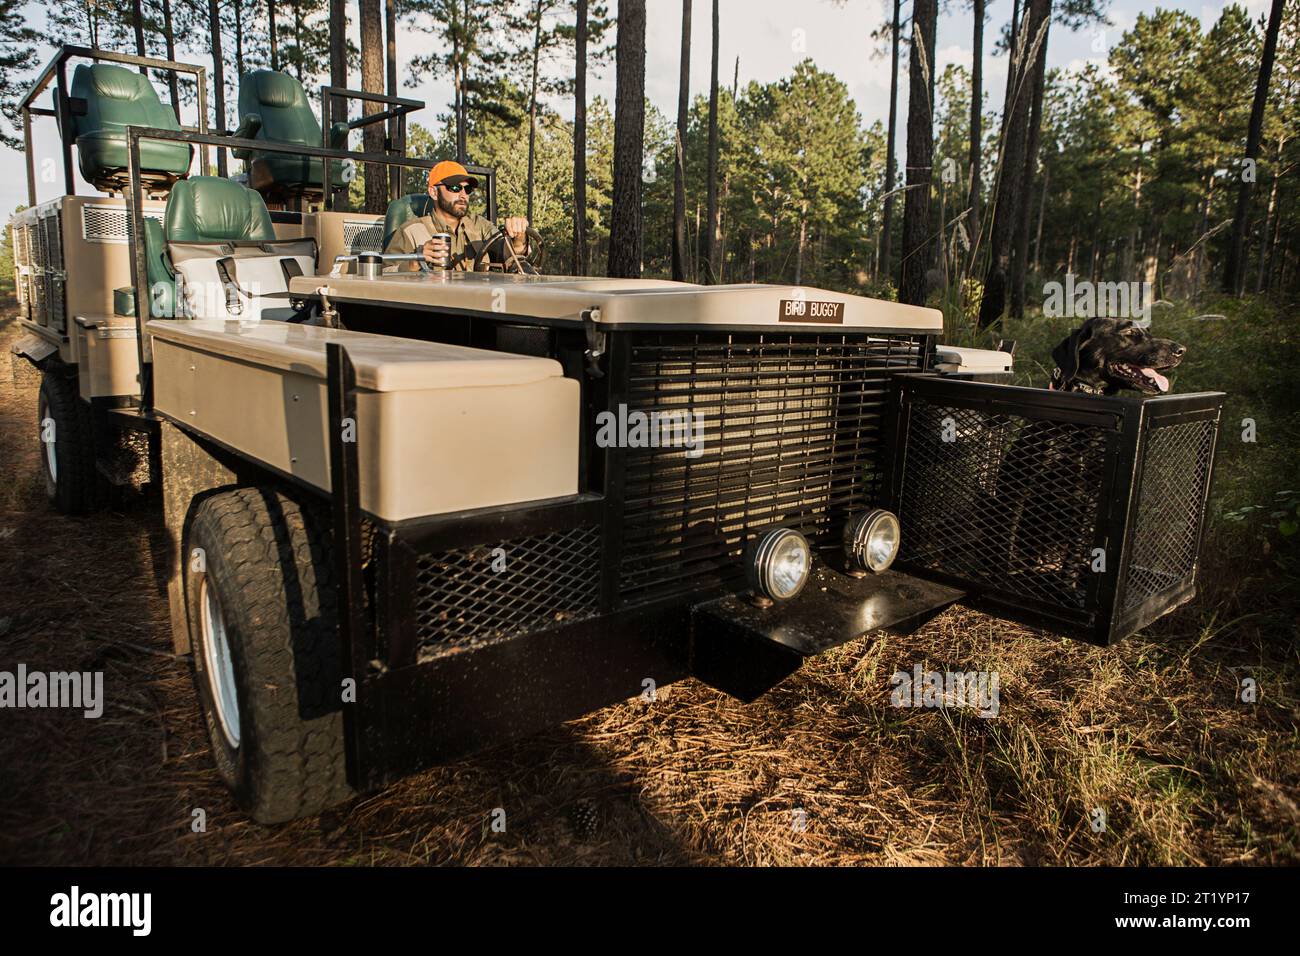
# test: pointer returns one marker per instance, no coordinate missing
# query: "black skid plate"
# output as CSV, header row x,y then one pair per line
x,y
745,650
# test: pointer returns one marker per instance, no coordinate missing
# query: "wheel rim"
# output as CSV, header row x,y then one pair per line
x,y
218,665
51,457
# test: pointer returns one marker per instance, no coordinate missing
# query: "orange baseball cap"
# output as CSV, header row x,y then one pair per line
x,y
450,172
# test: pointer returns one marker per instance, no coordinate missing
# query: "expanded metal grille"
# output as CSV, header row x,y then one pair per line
x,y
109,223
22,248
1176,470
39,247
58,304
53,246
470,596
740,431
1005,500
40,300
363,235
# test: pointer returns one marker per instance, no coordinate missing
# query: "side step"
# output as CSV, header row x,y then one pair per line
x,y
745,650
129,458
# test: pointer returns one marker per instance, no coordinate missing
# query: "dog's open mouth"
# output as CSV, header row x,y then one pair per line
x,y
1144,379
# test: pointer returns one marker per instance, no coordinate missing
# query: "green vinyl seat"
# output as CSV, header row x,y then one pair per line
x,y
104,99
199,209
273,107
403,210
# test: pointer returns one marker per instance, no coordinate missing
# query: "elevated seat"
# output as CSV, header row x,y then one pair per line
x,y
104,99
216,234
273,107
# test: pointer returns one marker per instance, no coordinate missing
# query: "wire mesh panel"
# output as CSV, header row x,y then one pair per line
x,y
766,428
1005,500
1166,537
1081,512
468,596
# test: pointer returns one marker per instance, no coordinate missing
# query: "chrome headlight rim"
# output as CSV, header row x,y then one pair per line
x,y
858,534
765,551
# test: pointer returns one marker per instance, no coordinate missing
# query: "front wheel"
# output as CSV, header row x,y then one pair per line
x,y
261,605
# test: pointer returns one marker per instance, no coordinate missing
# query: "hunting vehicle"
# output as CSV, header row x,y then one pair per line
x,y
413,513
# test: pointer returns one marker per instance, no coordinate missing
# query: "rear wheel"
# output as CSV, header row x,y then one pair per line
x,y
261,604
63,423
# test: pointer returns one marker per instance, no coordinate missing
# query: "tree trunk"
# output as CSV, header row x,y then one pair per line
x,y
803,241
396,188
580,142
1234,269
372,81
1020,240
338,72
238,10
679,148
169,35
917,243
1267,245
891,146
462,90
532,107
629,141
1042,211
711,198
218,80
1008,189
976,132
137,21
270,32
297,41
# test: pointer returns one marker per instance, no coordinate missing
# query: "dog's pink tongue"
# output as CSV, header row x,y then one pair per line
x,y
1162,383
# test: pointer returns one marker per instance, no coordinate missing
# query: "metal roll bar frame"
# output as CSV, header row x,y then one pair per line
x,y
399,107
56,69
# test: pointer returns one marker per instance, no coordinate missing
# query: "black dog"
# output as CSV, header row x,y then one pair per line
x,y
1105,355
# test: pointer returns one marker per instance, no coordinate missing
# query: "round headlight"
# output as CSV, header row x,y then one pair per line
x,y
871,540
779,563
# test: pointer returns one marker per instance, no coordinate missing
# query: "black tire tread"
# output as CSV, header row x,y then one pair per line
x,y
273,553
79,490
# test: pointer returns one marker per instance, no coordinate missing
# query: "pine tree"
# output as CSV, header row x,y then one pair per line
x,y
629,138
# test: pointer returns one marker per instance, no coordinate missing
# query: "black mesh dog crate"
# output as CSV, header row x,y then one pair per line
x,y
1078,512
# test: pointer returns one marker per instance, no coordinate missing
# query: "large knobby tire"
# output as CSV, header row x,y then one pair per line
x,y
65,432
264,632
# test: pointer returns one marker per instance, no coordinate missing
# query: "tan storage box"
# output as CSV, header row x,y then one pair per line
x,y
441,428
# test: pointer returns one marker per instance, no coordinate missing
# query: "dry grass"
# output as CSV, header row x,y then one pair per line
x,y
1150,731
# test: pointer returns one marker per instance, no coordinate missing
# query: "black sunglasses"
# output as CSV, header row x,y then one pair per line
x,y
467,187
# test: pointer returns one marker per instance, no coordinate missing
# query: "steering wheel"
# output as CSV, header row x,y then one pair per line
x,y
522,265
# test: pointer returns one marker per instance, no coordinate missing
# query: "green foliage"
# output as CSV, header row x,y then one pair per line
x,y
1141,167
793,162
17,58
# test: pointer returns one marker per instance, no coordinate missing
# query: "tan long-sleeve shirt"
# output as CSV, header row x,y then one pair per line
x,y
468,237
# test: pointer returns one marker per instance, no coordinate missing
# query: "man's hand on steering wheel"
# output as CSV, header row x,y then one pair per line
x,y
517,229
514,259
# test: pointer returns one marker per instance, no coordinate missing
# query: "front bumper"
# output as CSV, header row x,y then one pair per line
x,y
745,650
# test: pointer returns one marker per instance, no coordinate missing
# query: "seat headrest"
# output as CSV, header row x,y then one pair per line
x,y
117,82
211,209
273,88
